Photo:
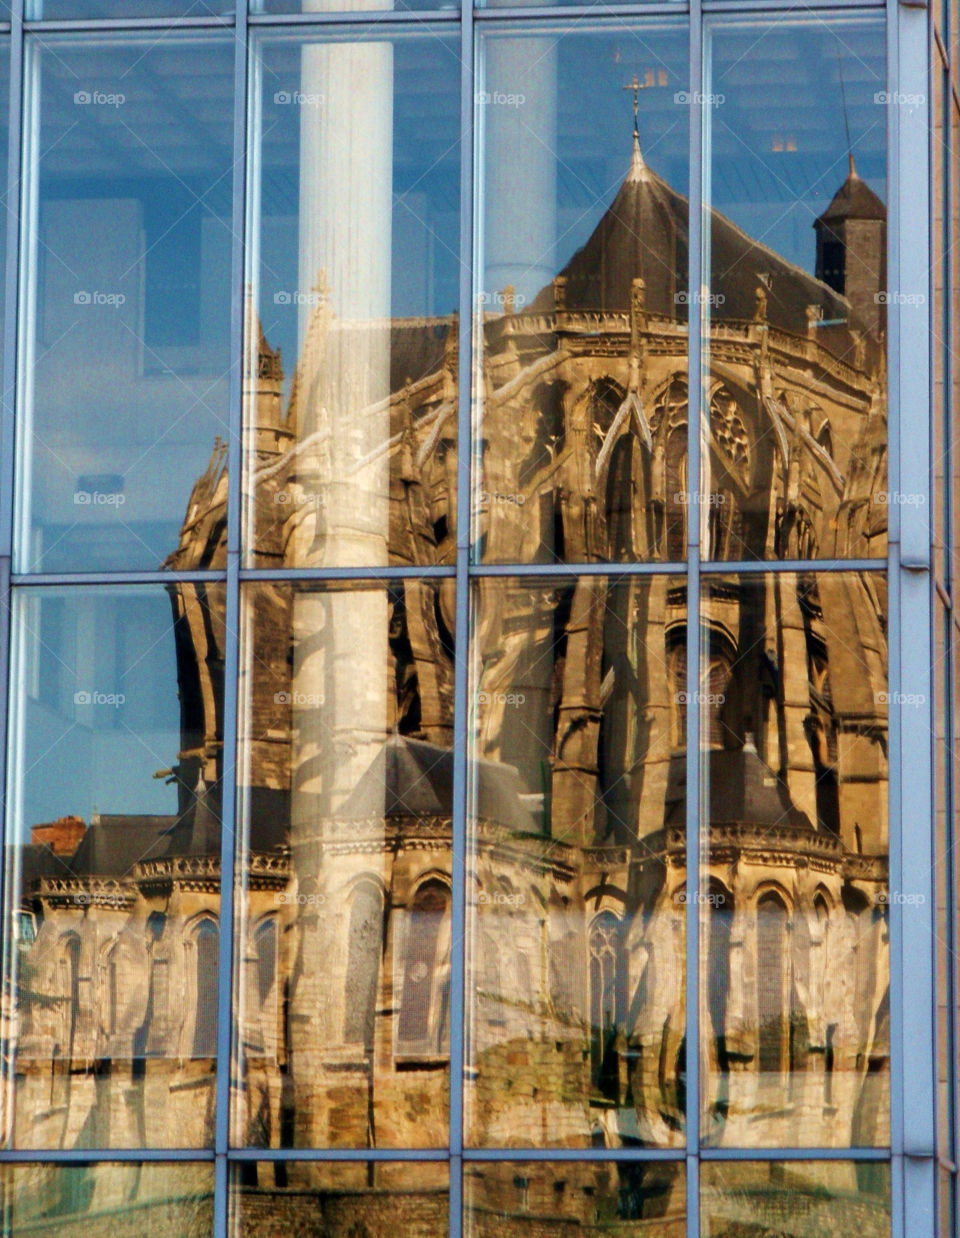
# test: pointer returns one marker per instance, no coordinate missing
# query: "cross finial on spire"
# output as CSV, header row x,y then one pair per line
x,y
637,166
636,86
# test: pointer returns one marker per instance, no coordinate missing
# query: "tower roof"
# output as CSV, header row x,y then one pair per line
x,y
643,233
743,791
853,200
411,778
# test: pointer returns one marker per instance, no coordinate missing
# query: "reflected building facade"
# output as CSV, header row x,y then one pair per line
x,y
580,712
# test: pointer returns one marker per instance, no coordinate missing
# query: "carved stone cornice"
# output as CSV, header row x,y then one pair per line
x,y
779,846
189,872
732,341
267,870
66,892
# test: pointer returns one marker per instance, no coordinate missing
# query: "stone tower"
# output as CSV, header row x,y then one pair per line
x,y
851,250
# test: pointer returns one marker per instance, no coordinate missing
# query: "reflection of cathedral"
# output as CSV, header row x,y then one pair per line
x,y
577,877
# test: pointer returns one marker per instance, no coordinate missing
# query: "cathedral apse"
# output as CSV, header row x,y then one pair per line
x,y
579,719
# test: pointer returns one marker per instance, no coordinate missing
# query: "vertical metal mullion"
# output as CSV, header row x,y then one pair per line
x,y
695,322
913,1088
897,1171
7,440
458,867
11,281
942,335
225,1020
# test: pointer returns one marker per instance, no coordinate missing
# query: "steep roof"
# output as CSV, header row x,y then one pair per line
x,y
115,843
743,791
410,778
853,200
36,861
645,234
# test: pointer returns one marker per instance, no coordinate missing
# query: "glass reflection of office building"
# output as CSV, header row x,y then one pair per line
x,y
580,710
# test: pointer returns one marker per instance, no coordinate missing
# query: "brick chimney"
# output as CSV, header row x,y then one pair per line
x,y
62,836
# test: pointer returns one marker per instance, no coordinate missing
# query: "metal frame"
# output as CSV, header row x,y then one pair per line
x,y
913,1151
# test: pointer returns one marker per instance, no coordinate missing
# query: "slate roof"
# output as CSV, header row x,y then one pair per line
x,y
114,843
410,778
853,200
743,791
645,234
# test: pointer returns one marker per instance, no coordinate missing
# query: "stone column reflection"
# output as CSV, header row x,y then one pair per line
x,y
341,514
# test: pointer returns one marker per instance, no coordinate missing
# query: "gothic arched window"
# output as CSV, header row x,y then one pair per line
x,y
606,999
363,964
566,969
423,1024
206,940
676,497
70,988
677,680
113,990
860,917
265,944
773,966
718,967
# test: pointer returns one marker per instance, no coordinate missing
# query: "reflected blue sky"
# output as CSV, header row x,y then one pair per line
x,y
96,693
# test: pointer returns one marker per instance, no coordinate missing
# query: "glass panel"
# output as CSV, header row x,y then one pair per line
x,y
52,10
113,866
575,1198
794,1199
351,401
87,1200
576,863
795,1003
795,423
125,343
344,975
369,1199
581,320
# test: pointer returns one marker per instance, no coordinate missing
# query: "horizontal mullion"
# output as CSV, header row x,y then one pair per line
x,y
577,569
347,573
66,1156
415,572
574,1154
73,1155
795,1154
51,579
822,7
714,568
108,25
717,567
339,1154
352,17
579,12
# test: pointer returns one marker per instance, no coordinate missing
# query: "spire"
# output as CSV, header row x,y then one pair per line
x,y
846,118
637,165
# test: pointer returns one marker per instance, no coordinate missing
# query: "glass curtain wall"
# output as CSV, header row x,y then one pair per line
x,y
451,538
